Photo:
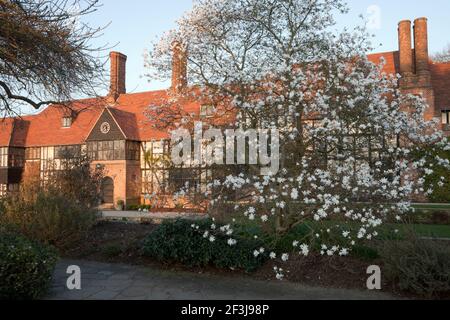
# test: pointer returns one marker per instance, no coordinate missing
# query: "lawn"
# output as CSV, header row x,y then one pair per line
x,y
428,206
388,231
429,220
424,230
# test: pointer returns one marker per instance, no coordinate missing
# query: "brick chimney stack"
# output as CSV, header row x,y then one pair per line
x,y
118,74
405,48
421,46
414,64
179,67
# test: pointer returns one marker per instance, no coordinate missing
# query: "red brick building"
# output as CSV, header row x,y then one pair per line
x,y
116,133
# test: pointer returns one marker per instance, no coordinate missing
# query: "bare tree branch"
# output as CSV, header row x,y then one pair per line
x,y
46,55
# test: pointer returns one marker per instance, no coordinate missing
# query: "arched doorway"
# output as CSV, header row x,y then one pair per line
x,y
108,191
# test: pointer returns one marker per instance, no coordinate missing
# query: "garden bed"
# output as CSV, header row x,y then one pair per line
x,y
118,242
112,242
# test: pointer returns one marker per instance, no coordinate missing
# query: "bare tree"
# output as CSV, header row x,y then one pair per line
x,y
46,54
442,56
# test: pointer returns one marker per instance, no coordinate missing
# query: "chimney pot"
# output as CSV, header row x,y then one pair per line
x,y
118,74
405,47
421,45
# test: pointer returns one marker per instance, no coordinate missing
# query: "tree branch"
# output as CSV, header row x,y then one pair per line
x,y
36,105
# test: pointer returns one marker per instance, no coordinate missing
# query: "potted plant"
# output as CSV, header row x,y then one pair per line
x,y
120,205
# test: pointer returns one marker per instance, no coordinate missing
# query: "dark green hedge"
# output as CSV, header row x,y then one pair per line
x,y
177,241
25,268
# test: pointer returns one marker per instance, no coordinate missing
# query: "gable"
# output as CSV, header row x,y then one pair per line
x,y
106,129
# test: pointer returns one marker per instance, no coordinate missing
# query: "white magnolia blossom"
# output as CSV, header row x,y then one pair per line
x,y
304,250
279,273
348,135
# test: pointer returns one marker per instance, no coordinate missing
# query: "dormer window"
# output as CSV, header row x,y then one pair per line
x,y
66,122
207,111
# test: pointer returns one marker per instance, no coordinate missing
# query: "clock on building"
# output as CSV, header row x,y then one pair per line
x,y
105,128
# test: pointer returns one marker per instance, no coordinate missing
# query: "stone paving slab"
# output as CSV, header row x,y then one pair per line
x,y
154,217
103,281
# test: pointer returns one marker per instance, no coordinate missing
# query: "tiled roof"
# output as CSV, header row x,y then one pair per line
x,y
137,104
391,60
13,132
6,129
45,129
440,73
127,121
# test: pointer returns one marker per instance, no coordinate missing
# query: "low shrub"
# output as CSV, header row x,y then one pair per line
x,y
60,211
178,241
418,266
112,251
306,233
284,243
25,268
50,218
241,256
365,252
2,205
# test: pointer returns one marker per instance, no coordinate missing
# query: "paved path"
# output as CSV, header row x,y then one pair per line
x,y
102,281
155,217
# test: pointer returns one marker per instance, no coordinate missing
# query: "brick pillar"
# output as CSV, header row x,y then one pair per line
x,y
179,67
421,46
118,74
405,48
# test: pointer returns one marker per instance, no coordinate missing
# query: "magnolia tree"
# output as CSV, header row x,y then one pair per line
x,y
346,134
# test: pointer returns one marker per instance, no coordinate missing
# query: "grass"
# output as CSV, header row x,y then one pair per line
x,y
424,230
426,227
427,206
388,231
